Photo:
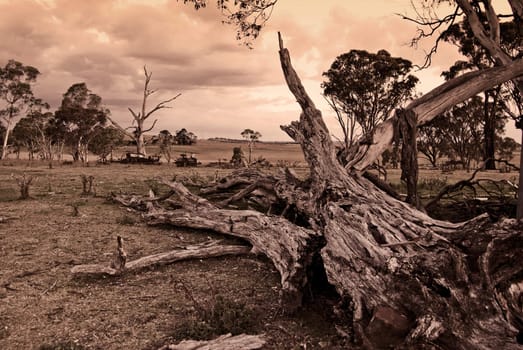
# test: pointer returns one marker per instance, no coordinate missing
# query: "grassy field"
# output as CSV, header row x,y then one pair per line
x,y
42,306
208,151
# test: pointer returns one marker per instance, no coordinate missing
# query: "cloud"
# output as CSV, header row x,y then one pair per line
x,y
225,86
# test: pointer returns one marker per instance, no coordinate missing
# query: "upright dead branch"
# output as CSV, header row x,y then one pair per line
x,y
409,154
141,117
88,185
24,182
120,257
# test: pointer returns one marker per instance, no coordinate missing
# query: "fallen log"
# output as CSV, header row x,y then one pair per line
x,y
202,251
224,342
419,282
290,247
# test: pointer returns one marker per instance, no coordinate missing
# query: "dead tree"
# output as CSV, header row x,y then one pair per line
x,y
120,265
413,281
88,185
24,183
137,135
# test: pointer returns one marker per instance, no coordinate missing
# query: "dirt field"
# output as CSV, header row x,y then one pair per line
x,y
43,307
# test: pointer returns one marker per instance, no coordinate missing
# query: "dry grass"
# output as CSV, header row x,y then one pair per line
x,y
42,305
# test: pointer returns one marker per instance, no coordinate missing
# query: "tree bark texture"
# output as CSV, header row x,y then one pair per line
x,y
224,342
119,266
413,281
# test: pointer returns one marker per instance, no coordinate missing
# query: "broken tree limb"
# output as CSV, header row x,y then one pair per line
x,y
224,342
290,247
202,251
435,102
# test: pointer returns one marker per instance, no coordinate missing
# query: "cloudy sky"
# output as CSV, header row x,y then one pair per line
x,y
225,87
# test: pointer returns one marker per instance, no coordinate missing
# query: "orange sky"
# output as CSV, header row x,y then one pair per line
x,y
225,87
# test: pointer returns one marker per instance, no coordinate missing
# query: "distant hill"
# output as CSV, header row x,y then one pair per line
x,y
224,139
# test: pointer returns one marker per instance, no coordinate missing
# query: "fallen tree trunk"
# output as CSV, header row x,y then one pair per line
x,y
413,281
224,342
202,251
290,247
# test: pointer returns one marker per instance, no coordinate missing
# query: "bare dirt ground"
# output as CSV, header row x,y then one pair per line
x,y
43,307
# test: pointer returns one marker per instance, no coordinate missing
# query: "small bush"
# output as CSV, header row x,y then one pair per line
x,y
126,220
218,316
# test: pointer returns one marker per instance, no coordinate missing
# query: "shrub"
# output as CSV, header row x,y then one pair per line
x,y
126,220
215,317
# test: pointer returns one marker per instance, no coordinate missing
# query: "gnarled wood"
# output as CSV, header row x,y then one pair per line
x,y
224,342
202,251
448,286
385,254
289,246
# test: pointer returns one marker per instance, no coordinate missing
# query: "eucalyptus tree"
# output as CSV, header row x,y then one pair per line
x,y
365,88
252,137
105,140
16,94
478,58
32,132
80,114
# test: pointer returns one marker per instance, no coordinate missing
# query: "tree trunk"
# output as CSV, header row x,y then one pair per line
x,y
6,135
489,129
412,281
140,141
519,214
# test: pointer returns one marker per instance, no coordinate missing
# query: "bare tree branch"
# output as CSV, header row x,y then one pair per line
x,y
152,126
437,101
141,117
160,105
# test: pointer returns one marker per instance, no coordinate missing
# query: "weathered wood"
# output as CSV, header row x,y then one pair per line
x,y
451,285
203,251
289,246
430,279
433,103
120,257
224,342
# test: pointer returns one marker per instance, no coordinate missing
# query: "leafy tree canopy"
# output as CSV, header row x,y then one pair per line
x,y
81,109
367,87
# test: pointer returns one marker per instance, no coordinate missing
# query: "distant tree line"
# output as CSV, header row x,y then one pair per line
x,y
80,124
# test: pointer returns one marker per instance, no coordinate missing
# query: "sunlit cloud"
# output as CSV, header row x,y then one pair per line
x,y
225,86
